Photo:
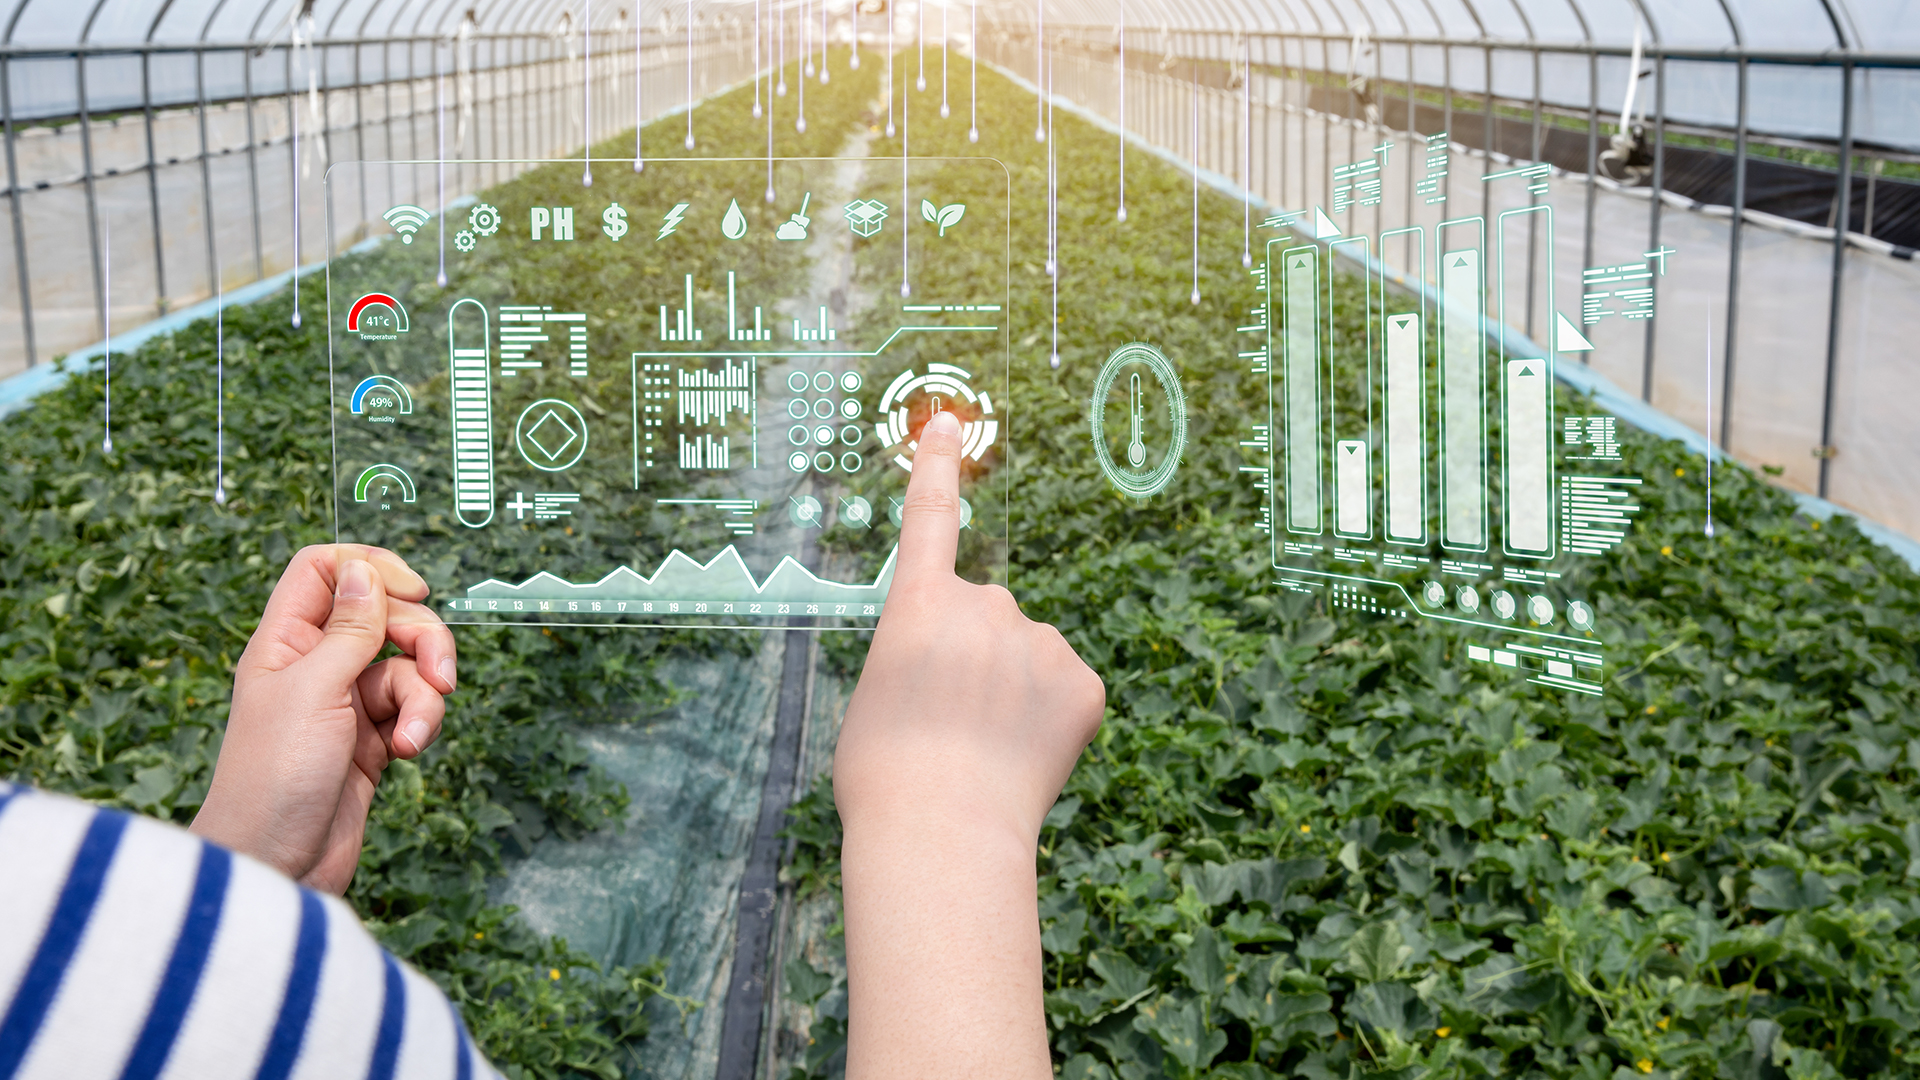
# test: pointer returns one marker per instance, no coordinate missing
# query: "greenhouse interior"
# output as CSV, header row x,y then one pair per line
x,y
1243,405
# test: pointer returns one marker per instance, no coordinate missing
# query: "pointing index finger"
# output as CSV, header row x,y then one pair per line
x,y
930,517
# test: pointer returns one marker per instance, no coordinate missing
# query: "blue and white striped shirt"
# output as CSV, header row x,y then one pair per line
x,y
133,950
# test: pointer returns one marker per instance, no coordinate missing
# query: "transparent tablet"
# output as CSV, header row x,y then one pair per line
x,y
685,396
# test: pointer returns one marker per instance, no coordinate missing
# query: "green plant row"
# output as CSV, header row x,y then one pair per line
x,y
1309,843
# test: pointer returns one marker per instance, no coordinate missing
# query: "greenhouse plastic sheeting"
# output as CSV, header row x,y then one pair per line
x,y
667,884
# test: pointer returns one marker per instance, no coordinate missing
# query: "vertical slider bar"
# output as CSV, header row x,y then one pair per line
x,y
1526,432
1350,495
1463,391
733,327
472,391
1526,488
1404,404
1301,387
1406,431
1349,366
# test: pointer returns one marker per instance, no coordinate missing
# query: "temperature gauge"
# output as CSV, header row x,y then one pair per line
x,y
1140,457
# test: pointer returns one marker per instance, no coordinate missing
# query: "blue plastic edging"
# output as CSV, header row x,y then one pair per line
x,y
1580,377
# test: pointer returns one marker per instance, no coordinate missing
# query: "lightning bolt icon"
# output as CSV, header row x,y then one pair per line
x,y
672,221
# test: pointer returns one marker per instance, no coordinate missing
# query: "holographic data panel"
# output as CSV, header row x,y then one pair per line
x,y
1416,461
664,399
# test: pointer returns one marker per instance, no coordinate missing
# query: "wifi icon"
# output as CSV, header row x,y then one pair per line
x,y
406,220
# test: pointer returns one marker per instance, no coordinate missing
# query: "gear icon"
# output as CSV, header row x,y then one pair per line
x,y
485,220
464,240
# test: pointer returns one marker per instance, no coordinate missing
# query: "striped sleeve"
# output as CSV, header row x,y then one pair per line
x,y
134,950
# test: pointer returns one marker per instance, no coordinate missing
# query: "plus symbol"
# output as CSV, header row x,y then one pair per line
x,y
1659,255
519,506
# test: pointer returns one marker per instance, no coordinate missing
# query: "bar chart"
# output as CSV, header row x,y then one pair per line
x,y
737,330
1391,422
681,327
823,331
710,397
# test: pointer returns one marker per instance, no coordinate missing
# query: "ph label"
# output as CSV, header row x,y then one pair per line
x,y
560,218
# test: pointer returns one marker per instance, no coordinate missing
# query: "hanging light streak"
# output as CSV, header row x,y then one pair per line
x,y
1053,225
920,40
1246,156
973,73
440,161
806,47
892,16
854,14
1194,158
219,387
824,77
293,131
1709,528
756,59
639,74
770,123
689,74
106,289
1039,67
1121,214
586,94
944,111
906,118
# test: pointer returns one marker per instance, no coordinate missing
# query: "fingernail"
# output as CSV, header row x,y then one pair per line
x,y
944,423
446,672
417,733
356,580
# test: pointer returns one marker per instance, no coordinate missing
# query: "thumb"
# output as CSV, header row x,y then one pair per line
x,y
930,516
356,629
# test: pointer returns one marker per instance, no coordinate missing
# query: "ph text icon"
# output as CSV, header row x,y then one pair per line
x,y
559,218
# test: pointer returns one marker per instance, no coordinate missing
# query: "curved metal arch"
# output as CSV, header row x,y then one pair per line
x,y
86,28
1834,9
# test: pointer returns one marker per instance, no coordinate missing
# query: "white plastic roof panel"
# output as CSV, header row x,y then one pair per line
x,y
1791,24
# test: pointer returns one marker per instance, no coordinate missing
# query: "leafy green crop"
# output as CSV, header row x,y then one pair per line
x,y
1309,844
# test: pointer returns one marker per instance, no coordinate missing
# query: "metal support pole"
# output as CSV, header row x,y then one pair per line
x,y
1736,229
1843,194
253,167
93,205
1486,144
206,170
359,128
19,222
153,183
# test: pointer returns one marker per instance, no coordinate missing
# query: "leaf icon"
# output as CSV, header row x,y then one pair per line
x,y
950,216
927,211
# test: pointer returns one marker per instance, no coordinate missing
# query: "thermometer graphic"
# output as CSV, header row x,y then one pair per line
x,y
1136,450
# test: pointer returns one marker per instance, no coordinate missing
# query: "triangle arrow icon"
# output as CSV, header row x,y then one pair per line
x,y
1459,260
1567,338
1323,225
1526,370
1298,262
1401,323
1352,449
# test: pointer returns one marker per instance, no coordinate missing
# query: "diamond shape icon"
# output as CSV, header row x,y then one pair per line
x,y
551,434
865,216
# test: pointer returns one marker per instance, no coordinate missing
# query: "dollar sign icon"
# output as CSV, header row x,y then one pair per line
x,y
613,222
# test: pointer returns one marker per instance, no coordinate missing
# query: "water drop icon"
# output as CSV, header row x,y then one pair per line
x,y
734,225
